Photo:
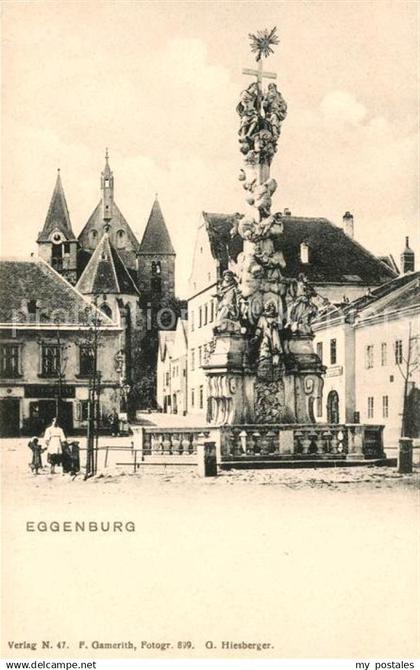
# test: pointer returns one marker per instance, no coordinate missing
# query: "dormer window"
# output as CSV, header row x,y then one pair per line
x,y
304,252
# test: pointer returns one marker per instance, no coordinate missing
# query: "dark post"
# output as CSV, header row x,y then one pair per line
x,y
405,456
207,457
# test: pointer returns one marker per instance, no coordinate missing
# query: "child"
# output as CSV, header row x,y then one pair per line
x,y
37,450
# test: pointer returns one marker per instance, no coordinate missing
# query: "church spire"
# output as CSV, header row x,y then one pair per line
x,y
107,188
58,218
156,238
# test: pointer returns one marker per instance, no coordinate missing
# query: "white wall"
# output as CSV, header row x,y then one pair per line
x,y
383,380
339,376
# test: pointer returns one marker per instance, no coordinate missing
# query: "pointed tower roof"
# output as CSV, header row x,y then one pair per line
x,y
106,272
58,217
156,238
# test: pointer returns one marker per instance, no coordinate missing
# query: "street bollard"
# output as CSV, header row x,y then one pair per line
x,y
207,458
405,456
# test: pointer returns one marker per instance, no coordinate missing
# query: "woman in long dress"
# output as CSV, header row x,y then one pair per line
x,y
54,438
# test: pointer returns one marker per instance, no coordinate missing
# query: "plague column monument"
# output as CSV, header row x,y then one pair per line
x,y
262,367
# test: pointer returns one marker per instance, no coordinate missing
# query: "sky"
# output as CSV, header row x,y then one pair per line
x,y
158,83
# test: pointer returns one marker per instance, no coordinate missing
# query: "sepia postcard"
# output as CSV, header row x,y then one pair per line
x,y
209,332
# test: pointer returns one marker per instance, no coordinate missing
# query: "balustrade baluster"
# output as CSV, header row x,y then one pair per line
x,y
334,442
257,442
242,437
272,442
185,443
176,444
306,443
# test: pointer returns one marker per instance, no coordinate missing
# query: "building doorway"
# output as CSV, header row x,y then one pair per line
x,y
333,409
9,417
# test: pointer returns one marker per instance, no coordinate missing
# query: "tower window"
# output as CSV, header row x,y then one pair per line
x,y
93,238
106,183
120,239
105,308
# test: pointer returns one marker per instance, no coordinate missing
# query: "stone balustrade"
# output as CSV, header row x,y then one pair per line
x,y
295,441
171,442
267,442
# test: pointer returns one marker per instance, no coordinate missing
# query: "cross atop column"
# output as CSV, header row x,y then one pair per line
x,y
259,73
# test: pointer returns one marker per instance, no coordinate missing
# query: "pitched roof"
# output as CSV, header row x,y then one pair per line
x,y
156,238
117,222
55,300
58,215
334,257
105,272
400,292
166,343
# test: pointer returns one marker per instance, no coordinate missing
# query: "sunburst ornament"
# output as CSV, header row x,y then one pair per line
x,y
262,42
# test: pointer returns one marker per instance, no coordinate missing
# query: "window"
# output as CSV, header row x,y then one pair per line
x,y
200,356
201,397
120,239
166,378
93,238
383,353
156,285
304,253
333,352
192,397
105,308
9,360
385,407
192,321
398,352
319,400
66,247
192,359
206,314
85,361
211,311
370,410
200,317
50,360
319,352
369,356
84,410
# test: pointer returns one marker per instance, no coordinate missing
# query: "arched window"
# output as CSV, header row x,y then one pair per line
x,y
158,268
153,268
93,238
105,308
121,239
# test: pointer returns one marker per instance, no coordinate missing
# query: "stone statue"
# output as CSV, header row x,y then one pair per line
x,y
267,335
304,306
228,307
275,109
247,109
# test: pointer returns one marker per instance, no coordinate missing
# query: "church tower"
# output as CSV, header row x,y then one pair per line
x,y
107,188
156,259
57,244
107,218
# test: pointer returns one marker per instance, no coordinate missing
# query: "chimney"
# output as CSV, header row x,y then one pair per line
x,y
407,258
287,212
348,224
